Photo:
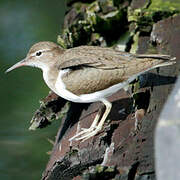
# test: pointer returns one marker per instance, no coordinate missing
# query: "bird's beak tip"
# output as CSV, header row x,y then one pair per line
x,y
19,64
10,69
7,71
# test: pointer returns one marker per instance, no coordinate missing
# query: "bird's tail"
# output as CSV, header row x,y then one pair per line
x,y
162,60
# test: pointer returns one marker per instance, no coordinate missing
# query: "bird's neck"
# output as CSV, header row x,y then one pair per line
x,y
50,75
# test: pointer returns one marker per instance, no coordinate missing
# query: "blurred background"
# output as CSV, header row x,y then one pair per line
x,y
23,153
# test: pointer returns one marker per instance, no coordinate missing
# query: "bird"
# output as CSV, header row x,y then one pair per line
x,y
87,74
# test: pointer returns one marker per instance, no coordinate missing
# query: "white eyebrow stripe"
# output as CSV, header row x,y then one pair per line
x,y
34,54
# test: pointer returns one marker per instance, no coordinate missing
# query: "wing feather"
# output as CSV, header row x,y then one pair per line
x,y
103,58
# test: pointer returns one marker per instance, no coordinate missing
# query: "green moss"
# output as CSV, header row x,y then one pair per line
x,y
78,6
110,169
73,152
100,172
93,7
99,17
134,46
145,17
99,169
164,5
61,42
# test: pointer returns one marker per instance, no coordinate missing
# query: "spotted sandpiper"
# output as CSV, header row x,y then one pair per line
x,y
88,74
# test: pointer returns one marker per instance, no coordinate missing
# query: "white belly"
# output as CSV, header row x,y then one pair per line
x,y
84,98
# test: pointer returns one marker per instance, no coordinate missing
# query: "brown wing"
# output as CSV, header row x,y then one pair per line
x,y
97,57
106,58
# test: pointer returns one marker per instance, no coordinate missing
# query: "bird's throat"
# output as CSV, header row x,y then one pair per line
x,y
50,77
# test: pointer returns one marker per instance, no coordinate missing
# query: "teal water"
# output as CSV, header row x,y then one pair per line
x,y
22,23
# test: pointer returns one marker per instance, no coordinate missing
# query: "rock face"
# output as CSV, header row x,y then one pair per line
x,y
167,130
124,149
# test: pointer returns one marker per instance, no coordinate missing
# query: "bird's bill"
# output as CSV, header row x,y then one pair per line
x,y
17,65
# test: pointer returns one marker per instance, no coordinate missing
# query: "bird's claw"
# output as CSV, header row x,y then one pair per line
x,y
85,134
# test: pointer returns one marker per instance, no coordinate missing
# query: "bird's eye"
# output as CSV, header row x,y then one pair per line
x,y
38,53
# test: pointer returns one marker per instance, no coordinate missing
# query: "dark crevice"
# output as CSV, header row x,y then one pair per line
x,y
151,79
63,170
142,99
148,4
56,105
129,44
107,139
160,15
133,171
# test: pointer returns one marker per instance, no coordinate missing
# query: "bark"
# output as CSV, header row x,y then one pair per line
x,y
124,149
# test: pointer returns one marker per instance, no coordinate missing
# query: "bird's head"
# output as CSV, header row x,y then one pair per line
x,y
41,55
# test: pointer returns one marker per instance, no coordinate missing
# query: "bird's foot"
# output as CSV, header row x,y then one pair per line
x,y
95,126
86,133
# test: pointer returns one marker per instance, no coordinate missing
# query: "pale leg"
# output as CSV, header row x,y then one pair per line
x,y
94,129
96,119
85,130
